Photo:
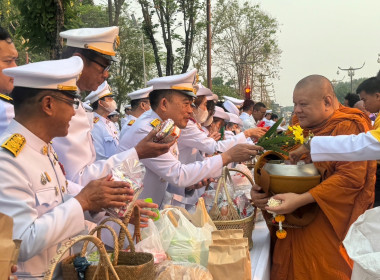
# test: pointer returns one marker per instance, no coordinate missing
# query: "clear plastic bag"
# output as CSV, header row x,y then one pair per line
x,y
151,243
132,172
189,243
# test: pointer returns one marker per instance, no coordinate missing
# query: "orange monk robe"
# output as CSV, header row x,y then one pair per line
x,y
347,190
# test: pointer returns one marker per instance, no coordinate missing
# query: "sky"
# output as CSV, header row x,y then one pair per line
x,y
318,36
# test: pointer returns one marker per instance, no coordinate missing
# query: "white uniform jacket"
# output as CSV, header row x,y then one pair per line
x,y
192,140
77,153
104,136
130,120
34,193
364,146
7,112
167,168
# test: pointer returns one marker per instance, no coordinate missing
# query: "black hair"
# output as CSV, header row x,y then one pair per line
x,y
258,106
136,103
198,101
352,98
95,105
273,117
156,96
5,36
370,86
210,105
247,105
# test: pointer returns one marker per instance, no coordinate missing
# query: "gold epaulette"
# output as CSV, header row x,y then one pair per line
x,y
6,98
131,122
96,119
14,144
155,122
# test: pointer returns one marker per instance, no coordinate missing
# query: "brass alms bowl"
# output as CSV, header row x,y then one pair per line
x,y
291,178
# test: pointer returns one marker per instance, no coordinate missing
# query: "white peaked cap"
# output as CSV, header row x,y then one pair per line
x,y
185,83
51,74
220,113
87,106
127,106
235,119
203,91
213,97
141,93
230,107
268,111
234,100
102,91
103,40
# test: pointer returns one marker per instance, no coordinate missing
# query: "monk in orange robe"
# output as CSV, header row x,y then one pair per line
x,y
346,191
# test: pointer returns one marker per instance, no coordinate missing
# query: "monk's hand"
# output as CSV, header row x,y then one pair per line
x,y
259,198
290,202
146,148
145,212
104,193
296,155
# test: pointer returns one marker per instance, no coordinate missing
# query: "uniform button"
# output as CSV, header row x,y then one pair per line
x,y
63,189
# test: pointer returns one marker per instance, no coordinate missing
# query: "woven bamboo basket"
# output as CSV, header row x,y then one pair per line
x,y
128,265
101,270
234,222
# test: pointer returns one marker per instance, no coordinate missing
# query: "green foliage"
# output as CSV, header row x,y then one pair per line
x,y
274,142
244,42
221,88
342,88
38,26
92,16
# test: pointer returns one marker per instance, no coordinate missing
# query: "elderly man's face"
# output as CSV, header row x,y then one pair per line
x,y
8,56
179,109
310,108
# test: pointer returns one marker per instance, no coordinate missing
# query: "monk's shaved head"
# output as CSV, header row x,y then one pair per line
x,y
317,84
314,100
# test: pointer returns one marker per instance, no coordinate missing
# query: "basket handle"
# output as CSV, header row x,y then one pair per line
x,y
245,174
221,179
97,229
123,231
104,261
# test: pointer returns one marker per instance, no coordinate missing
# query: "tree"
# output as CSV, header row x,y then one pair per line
x,y
171,15
244,42
41,21
342,88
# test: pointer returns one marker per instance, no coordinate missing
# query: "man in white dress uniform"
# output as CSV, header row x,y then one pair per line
x,y
95,46
33,187
103,133
8,56
139,104
172,98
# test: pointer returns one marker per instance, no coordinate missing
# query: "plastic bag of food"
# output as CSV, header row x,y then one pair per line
x,y
151,242
169,270
130,171
189,243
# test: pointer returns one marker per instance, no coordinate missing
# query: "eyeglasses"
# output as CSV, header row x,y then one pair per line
x,y
74,103
105,67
